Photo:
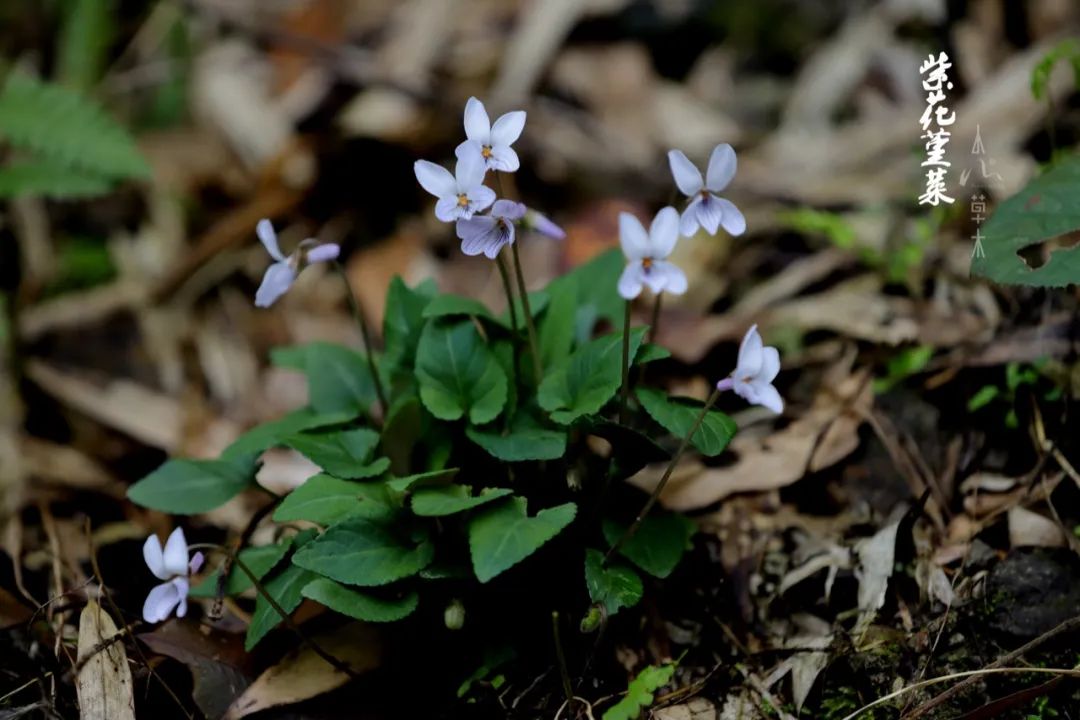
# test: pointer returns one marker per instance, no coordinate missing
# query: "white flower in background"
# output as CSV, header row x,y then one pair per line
x,y
540,223
280,276
756,368
461,194
707,209
172,566
492,142
488,233
647,252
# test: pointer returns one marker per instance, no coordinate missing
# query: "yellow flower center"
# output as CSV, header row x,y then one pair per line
x,y
486,151
646,263
463,200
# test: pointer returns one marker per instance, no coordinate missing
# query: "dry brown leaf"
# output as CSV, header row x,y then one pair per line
x,y
856,308
827,433
874,568
695,709
104,683
302,674
1028,528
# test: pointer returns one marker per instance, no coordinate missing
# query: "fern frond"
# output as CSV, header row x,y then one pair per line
x,y
49,179
62,125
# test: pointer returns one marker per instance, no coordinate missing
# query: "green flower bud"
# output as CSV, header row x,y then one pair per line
x,y
454,615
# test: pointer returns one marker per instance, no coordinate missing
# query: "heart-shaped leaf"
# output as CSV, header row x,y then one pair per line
x,y
615,586
338,378
588,379
659,543
677,416
285,587
186,487
503,535
526,439
458,373
359,605
270,434
326,500
342,453
451,499
358,551
450,305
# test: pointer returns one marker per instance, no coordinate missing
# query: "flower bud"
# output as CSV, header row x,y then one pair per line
x,y
592,619
454,615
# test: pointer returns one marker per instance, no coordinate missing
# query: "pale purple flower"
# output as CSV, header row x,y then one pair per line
x,y
647,252
461,194
492,142
280,276
756,368
488,233
706,208
542,224
172,566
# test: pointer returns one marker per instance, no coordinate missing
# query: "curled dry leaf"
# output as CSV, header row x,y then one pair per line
x,y
1028,528
302,674
696,709
827,433
876,556
104,682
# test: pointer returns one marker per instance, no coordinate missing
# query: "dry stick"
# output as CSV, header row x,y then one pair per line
x,y
287,619
969,677
564,672
358,315
632,530
624,398
933,702
538,371
504,273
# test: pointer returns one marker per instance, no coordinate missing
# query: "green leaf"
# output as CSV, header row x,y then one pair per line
x,y
631,450
87,32
62,125
434,478
556,330
593,286
659,543
526,439
451,499
51,179
358,551
588,379
677,416
403,322
651,353
983,397
286,588
639,695
338,378
259,560
325,500
538,301
451,305
361,606
1046,208
458,373
342,453
273,433
615,586
186,487
404,426
503,535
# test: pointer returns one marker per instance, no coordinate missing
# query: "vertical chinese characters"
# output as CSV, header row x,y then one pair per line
x,y
935,120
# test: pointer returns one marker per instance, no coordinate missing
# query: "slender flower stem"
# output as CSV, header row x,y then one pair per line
x,y
538,370
624,398
504,273
365,333
654,325
564,671
632,530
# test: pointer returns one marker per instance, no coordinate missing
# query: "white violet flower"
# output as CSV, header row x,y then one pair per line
x,y
461,194
280,276
647,252
756,368
707,209
492,142
172,566
488,233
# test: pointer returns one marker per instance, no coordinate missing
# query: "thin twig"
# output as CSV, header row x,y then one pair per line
x,y
632,530
564,671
